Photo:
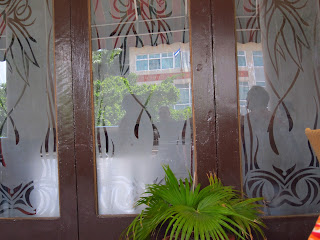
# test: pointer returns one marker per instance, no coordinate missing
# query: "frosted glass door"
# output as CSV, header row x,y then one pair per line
x,y
28,160
279,80
142,97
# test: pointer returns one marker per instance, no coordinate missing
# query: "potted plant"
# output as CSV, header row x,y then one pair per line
x,y
189,212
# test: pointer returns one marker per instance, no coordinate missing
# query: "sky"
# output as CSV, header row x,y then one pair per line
x,y
3,70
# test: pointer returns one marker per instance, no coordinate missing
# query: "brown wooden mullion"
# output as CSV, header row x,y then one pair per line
x,y
65,105
203,89
225,74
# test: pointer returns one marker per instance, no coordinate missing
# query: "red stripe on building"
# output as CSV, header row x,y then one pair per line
x,y
162,77
243,74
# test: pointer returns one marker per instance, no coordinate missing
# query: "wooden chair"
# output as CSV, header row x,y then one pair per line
x,y
314,139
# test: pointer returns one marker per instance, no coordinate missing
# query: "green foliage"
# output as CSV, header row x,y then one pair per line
x,y
105,56
110,89
208,213
3,103
182,114
110,92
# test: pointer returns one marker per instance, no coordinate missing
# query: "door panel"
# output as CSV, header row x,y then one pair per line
x,y
29,170
127,45
279,99
278,81
142,98
37,194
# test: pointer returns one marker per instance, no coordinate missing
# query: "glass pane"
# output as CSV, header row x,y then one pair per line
x,y
28,157
154,56
243,90
139,124
257,61
281,43
256,53
167,63
262,84
177,60
142,65
242,61
259,75
186,60
184,96
140,57
154,64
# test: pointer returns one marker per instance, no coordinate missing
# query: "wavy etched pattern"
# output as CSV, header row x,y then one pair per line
x,y
18,17
278,161
29,125
17,199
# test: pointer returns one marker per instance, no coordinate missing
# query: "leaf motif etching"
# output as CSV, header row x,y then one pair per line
x,y
278,161
152,13
290,36
17,16
15,19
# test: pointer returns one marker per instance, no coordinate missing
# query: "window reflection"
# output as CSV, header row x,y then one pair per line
x,y
29,183
279,98
142,93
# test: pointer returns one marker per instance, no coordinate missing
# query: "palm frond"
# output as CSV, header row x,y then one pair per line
x,y
209,213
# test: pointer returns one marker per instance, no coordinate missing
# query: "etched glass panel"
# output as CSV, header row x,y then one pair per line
x,y
142,97
281,42
28,160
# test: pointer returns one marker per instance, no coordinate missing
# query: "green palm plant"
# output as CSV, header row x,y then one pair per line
x,y
191,212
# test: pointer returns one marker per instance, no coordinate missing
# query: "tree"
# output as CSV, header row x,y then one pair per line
x,y
110,89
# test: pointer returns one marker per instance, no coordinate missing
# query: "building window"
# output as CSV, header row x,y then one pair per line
x,y
258,68
166,60
151,62
177,59
185,96
261,83
243,92
257,58
242,61
186,60
154,62
142,63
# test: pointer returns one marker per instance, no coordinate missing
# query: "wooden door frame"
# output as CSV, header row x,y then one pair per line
x,y
227,119
91,225
64,227
215,108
